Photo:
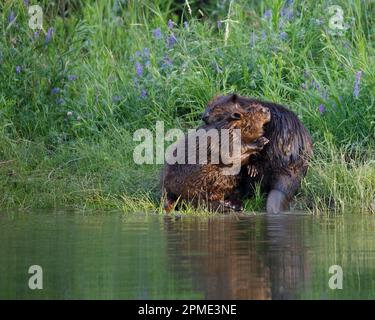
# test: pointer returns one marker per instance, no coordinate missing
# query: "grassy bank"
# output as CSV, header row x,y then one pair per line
x,y
72,96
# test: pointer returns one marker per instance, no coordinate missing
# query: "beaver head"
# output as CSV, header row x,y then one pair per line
x,y
256,117
221,107
250,118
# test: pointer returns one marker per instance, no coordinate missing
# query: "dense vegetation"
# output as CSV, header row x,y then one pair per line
x,y
72,94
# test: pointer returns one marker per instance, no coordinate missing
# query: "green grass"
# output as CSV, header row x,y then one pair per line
x,y
74,148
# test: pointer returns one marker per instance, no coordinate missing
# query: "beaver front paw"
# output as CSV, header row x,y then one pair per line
x,y
261,142
233,205
252,171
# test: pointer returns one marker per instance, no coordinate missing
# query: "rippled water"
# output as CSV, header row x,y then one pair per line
x,y
138,256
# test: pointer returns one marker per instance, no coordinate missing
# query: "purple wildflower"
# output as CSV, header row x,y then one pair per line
x,y
11,17
317,86
36,34
60,101
26,3
18,69
287,11
264,35
289,14
143,93
138,53
322,109
55,90
170,24
219,23
304,86
138,68
157,33
284,11
268,14
72,77
171,41
358,76
49,35
283,35
186,24
167,62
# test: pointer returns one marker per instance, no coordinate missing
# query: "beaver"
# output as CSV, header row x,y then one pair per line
x,y
206,183
281,166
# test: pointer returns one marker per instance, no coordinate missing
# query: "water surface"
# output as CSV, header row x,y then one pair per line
x,y
138,256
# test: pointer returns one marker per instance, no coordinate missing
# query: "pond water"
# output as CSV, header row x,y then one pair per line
x,y
145,256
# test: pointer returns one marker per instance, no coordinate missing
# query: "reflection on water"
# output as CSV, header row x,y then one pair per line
x,y
117,256
240,257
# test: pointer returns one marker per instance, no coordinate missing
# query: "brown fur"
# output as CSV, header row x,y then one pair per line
x,y
281,166
205,183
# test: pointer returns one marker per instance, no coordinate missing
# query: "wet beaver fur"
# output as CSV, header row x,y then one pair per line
x,y
282,164
206,184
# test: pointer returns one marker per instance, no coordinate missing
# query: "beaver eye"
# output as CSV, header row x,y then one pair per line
x,y
235,116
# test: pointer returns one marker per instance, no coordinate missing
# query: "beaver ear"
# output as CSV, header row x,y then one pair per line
x,y
233,97
235,116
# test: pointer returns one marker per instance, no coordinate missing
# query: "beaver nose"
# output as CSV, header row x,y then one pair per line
x,y
205,117
266,111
